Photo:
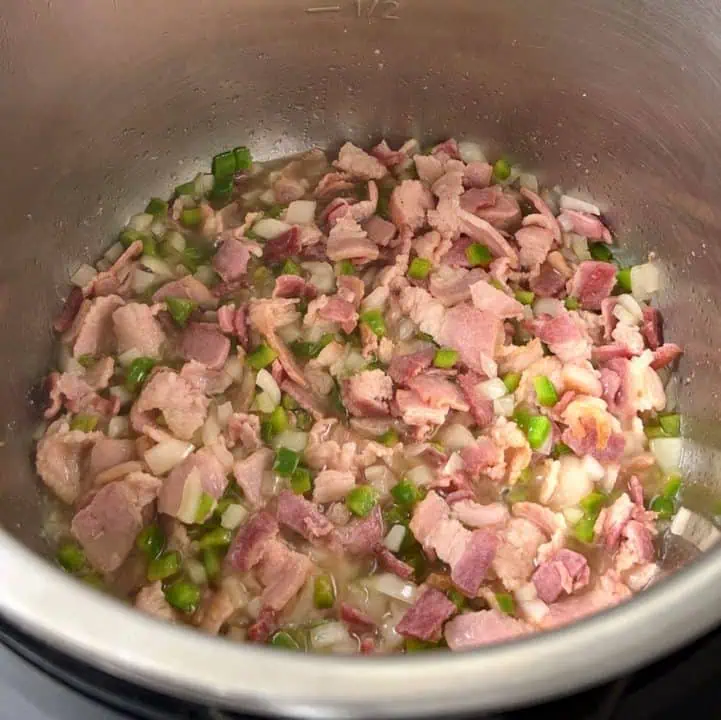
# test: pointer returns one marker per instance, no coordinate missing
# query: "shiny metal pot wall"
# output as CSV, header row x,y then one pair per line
x,y
102,99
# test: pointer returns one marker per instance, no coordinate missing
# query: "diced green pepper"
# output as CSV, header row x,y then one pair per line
x,y
191,216
150,246
389,438
457,598
219,537
193,257
511,380
180,309
559,449
545,392
222,188
282,639
183,596
128,236
261,357
672,485
361,500
290,267
205,507
308,350
572,303
522,418
405,492
71,557
478,254
243,158
138,372
186,188
374,320
303,420
151,541
301,481
278,420
506,603
419,268
600,251
286,462
653,431
583,530
445,358
164,566
623,279
664,506
223,164
413,645
670,423
157,206
87,361
289,402
83,422
266,431
275,211
502,169
525,297
323,592
539,429
592,504
345,267
396,515
212,562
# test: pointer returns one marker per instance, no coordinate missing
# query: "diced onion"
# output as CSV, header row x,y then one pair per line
x,y
67,363
393,586
141,222
629,303
406,329
290,333
471,152
204,183
196,571
264,403
329,634
593,468
269,228
394,539
504,406
114,252
454,465
234,367
645,280
233,516
117,471
83,275
266,382
623,316
667,452
322,276
127,357
579,245
192,493
547,306
456,436
143,280
158,227
224,413
572,514
118,427
354,361
528,181
381,477
205,274
492,389
695,528
175,241
157,266
375,300
420,475
572,203
103,265
164,456
295,440
211,429
300,212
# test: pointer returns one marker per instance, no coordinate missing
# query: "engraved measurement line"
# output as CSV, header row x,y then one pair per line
x,y
323,9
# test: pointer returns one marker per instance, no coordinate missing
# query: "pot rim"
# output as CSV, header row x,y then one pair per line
x,y
97,629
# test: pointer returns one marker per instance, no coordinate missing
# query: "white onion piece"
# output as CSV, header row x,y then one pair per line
x,y
695,528
192,494
548,306
471,152
322,276
143,280
393,586
211,429
205,274
623,316
300,212
264,403
196,571
266,382
157,266
224,413
127,357
141,222
269,228
234,367
103,265
233,516
114,252
354,362
394,539
295,440
381,477
455,464
67,363
406,329
376,300
572,514
645,280
329,634
290,333
593,468
420,475
318,329
158,227
117,471
528,181
118,427
566,223
164,456
573,203
83,275
175,241
667,452
630,304
492,389
579,245
455,437
504,406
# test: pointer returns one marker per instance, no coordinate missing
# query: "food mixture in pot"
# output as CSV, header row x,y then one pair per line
x,y
393,402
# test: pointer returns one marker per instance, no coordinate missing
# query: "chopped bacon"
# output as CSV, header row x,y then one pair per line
x,y
587,225
424,620
282,247
593,283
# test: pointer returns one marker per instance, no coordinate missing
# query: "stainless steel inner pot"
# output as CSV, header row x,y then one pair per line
x,y
105,102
